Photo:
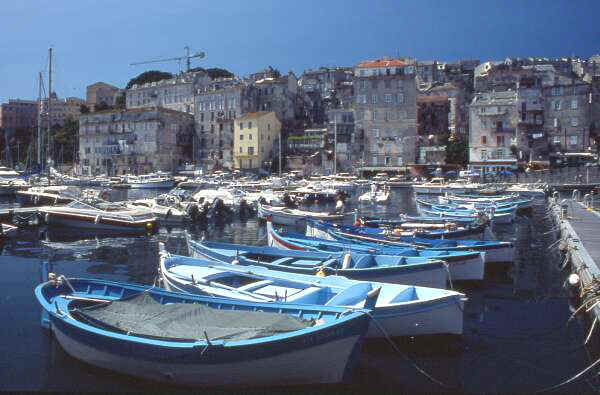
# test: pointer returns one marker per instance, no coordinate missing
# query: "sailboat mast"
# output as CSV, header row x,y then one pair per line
x,y
49,100
39,123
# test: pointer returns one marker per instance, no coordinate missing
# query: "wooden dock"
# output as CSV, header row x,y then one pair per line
x,y
580,240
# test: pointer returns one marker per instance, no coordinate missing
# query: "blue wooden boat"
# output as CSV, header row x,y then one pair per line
x,y
363,264
197,340
401,310
497,201
496,251
462,265
504,216
434,227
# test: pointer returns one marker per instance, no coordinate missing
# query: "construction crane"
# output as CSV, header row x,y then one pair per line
x,y
187,59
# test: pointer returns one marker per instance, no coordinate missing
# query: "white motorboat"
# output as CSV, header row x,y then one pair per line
x,y
84,216
375,195
151,181
166,215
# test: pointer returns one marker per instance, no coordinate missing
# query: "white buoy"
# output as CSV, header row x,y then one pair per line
x,y
346,261
574,280
235,262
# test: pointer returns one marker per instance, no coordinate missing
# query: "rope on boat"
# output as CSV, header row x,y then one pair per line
x,y
404,356
569,380
447,267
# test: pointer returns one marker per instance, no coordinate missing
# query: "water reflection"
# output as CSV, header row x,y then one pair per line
x,y
515,334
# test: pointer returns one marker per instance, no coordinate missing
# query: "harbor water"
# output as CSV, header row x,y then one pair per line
x,y
517,336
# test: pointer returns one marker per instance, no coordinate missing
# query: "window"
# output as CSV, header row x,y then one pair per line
x,y
483,154
555,122
484,124
374,99
361,99
241,150
363,83
88,150
556,139
212,116
484,140
387,161
557,91
241,136
556,104
250,125
201,117
268,126
499,141
574,104
387,97
574,121
572,140
241,125
250,136
374,160
250,150
250,163
374,115
375,133
399,98
499,126
483,110
212,127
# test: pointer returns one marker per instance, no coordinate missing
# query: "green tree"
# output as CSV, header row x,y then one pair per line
x,y
148,76
64,140
102,107
456,151
120,102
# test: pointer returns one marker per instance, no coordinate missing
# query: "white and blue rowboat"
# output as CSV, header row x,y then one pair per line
x,y
400,310
186,339
432,227
495,251
462,265
359,265
496,217
521,203
293,216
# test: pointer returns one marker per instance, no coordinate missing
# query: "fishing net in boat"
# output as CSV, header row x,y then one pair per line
x,y
142,315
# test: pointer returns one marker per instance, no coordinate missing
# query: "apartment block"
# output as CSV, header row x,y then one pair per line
x,y
175,94
18,114
100,92
60,110
217,104
255,136
385,112
493,120
134,141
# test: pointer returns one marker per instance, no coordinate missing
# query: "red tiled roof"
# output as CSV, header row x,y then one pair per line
x,y
382,63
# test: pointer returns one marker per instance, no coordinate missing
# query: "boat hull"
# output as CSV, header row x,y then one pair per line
x,y
329,362
90,224
153,185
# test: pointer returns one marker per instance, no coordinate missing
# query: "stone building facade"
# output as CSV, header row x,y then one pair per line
x,y
218,103
18,114
135,141
61,110
493,120
175,94
385,113
100,92
567,114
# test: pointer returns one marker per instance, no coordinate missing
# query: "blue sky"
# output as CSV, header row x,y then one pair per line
x,y
96,40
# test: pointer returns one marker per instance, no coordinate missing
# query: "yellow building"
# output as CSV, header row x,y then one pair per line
x,y
254,136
